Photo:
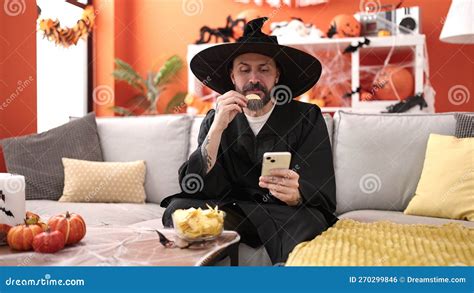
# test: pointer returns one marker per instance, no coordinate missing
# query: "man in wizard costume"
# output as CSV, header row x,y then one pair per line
x,y
291,205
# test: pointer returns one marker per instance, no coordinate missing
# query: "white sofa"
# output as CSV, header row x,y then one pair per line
x,y
378,160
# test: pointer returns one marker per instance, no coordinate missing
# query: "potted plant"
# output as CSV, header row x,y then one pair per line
x,y
149,88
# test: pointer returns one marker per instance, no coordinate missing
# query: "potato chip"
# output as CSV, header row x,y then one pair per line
x,y
253,97
197,223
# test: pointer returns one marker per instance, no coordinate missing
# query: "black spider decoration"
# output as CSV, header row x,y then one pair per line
x,y
225,33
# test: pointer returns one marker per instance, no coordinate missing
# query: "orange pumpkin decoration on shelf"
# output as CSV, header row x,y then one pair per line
x,y
21,236
72,226
393,83
48,241
366,96
344,26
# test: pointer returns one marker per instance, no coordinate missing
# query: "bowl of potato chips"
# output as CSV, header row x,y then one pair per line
x,y
198,224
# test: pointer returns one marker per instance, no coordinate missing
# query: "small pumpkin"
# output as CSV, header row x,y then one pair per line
x,y
72,226
48,241
344,26
21,236
393,83
33,218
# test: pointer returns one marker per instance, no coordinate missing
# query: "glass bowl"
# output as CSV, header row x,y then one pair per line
x,y
199,237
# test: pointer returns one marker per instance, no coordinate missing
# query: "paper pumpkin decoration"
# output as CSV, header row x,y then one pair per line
x,y
344,26
393,83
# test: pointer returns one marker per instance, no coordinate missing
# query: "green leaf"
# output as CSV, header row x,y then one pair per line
x,y
168,70
125,72
122,111
175,103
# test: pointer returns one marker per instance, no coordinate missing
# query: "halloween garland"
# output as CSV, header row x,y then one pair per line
x,y
66,36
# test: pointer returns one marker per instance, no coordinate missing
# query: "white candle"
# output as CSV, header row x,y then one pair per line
x,y
12,199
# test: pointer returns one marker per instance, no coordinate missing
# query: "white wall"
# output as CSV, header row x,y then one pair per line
x,y
61,72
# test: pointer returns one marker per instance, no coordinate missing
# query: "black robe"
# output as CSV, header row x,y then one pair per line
x,y
296,127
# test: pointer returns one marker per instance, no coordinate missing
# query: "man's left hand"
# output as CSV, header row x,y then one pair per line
x,y
283,184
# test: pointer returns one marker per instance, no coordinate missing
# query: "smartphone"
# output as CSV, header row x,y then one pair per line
x,y
275,160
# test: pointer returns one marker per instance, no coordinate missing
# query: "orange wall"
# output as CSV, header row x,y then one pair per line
x,y
17,70
147,32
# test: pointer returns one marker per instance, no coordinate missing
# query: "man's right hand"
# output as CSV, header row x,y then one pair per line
x,y
227,107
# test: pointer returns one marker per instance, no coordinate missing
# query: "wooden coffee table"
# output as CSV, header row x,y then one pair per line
x,y
129,246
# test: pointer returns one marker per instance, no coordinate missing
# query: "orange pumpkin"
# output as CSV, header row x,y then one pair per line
x,y
72,226
344,26
393,83
48,241
33,218
21,236
366,96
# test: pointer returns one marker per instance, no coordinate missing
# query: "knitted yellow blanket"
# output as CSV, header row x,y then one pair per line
x,y
352,243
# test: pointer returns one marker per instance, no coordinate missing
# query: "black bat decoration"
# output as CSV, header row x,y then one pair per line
x,y
6,212
2,195
351,49
165,241
332,31
348,95
407,104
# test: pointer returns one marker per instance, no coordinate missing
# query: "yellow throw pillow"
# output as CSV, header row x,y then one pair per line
x,y
446,186
88,181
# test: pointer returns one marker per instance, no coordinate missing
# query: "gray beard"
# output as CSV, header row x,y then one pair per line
x,y
255,105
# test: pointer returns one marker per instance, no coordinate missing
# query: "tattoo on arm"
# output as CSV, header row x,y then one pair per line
x,y
205,155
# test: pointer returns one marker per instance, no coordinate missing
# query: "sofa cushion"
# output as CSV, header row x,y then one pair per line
x,y
86,181
398,217
329,124
446,186
161,141
193,137
38,156
464,125
378,158
98,214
